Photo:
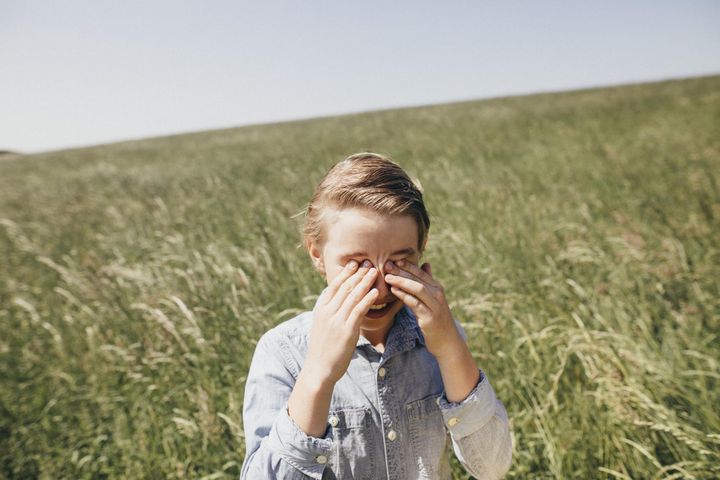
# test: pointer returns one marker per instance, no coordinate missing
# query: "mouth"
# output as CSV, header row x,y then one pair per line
x,y
380,309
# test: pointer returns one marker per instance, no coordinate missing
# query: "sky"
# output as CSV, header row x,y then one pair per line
x,y
76,73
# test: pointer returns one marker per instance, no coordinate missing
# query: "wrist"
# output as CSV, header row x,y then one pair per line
x,y
459,371
451,350
317,378
309,402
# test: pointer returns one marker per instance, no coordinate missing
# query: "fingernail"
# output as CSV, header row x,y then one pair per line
x,y
400,263
352,264
389,265
367,264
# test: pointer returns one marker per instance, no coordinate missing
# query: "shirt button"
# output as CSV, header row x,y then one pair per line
x,y
321,459
453,421
382,372
334,421
392,435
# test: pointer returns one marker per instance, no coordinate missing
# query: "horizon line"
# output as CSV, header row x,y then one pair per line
x,y
6,153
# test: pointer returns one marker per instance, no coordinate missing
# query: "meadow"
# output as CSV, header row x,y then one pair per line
x,y
577,235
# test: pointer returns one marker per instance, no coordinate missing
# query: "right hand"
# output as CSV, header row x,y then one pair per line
x,y
337,316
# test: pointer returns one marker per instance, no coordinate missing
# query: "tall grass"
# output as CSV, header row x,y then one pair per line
x,y
577,235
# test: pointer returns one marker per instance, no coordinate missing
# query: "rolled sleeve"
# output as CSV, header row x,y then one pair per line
x,y
480,431
307,454
469,415
276,447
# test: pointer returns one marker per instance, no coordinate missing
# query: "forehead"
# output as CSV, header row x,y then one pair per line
x,y
353,230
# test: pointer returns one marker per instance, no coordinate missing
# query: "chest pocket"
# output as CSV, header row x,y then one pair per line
x,y
427,436
354,443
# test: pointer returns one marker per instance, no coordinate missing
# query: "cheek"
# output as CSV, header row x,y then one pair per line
x,y
332,271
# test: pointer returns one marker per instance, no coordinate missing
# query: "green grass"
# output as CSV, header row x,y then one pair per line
x,y
577,235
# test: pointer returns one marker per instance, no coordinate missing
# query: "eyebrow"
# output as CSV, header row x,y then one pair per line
x,y
404,251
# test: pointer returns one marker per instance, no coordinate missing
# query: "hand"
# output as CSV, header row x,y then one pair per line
x,y
425,296
337,315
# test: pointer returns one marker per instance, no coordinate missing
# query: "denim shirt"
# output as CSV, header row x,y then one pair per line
x,y
389,417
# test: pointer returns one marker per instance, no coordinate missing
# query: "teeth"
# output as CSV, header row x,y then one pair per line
x,y
378,307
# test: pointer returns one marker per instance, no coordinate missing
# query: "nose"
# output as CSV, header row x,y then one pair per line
x,y
382,286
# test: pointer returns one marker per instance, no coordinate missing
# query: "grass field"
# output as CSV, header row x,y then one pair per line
x,y
577,235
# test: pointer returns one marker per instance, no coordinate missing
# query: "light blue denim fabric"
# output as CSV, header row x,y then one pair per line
x,y
388,419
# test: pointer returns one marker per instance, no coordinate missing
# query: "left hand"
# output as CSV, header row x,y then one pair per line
x,y
425,296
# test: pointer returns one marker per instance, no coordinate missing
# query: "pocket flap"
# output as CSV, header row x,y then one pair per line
x,y
423,407
351,417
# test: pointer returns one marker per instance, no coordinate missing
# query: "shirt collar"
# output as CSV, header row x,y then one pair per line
x,y
402,336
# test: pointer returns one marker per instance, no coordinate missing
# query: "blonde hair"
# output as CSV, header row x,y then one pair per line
x,y
366,180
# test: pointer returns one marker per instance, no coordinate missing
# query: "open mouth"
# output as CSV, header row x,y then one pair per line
x,y
379,310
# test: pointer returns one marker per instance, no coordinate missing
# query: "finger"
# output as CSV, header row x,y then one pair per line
x,y
426,268
360,310
346,287
398,272
411,301
413,287
418,272
393,269
358,293
329,293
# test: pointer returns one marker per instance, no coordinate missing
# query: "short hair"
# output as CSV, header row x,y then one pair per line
x,y
366,180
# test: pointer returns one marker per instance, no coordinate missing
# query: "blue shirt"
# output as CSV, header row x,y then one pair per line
x,y
389,417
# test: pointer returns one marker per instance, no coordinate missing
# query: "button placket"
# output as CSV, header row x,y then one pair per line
x,y
389,415
391,434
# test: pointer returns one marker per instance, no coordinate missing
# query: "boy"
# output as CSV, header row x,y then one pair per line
x,y
371,382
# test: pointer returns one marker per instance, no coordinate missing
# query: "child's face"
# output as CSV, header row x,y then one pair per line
x,y
360,234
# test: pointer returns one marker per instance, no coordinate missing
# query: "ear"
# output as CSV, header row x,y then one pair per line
x,y
315,251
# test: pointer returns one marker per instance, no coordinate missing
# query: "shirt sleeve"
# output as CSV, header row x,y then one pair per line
x,y
479,429
275,447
